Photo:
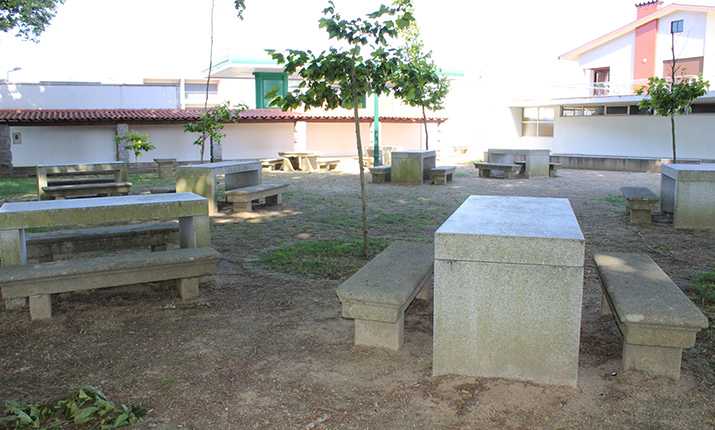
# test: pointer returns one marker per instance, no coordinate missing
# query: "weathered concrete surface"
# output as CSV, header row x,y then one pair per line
x,y
242,198
381,174
656,318
202,178
508,290
640,202
613,163
412,167
117,168
536,160
5,151
382,290
688,192
165,167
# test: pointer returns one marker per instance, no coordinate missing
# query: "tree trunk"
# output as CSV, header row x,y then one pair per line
x,y
208,82
672,130
424,118
360,161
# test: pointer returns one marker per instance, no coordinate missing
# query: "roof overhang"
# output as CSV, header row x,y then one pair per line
x,y
574,54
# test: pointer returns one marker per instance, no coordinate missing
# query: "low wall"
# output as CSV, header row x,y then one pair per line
x,y
619,164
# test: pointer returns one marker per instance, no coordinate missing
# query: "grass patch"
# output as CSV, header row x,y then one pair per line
x,y
705,288
18,187
326,259
614,199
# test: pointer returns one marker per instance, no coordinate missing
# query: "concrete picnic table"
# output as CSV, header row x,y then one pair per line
x,y
304,161
537,160
201,178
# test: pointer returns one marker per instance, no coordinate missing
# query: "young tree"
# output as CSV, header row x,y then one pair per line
x,y
135,142
419,83
211,122
672,95
340,77
29,17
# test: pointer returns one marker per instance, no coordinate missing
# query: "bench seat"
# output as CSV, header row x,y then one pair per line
x,y
86,190
328,164
640,202
485,169
243,198
377,295
442,174
38,281
656,318
272,163
44,246
79,181
381,174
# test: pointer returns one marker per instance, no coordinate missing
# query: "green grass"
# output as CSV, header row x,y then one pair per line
x,y
17,188
328,259
614,199
704,286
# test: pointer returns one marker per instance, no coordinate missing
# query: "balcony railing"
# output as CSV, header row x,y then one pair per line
x,y
603,89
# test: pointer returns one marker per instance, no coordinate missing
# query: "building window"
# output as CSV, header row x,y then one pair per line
x,y
192,88
267,81
537,121
601,78
676,26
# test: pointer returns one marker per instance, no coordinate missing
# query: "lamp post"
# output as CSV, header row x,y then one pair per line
x,y
13,70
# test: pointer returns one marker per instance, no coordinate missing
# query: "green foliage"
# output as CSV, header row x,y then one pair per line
x,y
240,7
330,259
418,82
29,17
705,287
211,123
614,199
136,142
86,406
341,77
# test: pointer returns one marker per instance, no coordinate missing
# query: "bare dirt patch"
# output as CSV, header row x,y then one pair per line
x,y
267,350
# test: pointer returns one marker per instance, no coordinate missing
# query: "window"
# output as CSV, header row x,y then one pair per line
x,y
200,88
676,26
600,81
267,81
537,121
571,111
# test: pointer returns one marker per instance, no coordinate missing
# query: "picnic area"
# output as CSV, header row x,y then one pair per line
x,y
266,349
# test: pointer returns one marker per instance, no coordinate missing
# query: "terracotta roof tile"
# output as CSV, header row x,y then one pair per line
x,y
88,116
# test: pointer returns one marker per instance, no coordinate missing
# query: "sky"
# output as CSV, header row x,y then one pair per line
x,y
124,42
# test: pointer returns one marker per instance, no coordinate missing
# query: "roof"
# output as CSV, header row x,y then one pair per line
x,y
18,117
575,53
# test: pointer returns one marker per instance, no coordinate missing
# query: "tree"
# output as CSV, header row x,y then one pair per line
x,y
136,143
670,96
340,77
419,83
29,17
211,122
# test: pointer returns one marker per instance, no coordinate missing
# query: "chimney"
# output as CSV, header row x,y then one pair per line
x,y
647,8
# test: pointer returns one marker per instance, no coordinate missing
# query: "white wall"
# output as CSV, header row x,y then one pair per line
x,y
88,96
254,141
690,43
64,145
618,55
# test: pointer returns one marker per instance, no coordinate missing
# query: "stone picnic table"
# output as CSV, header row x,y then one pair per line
x,y
202,178
537,160
304,161
688,192
412,167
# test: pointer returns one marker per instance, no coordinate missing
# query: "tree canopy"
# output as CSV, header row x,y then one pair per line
x,y
28,17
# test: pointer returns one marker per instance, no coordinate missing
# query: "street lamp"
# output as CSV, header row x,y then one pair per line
x,y
13,70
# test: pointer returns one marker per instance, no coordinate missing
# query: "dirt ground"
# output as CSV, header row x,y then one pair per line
x,y
265,350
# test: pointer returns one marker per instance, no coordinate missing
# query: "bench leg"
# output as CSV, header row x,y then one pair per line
x,y
425,292
188,288
640,217
655,360
242,206
17,303
605,308
380,334
485,173
377,179
40,307
553,173
274,200
508,174
439,180
449,177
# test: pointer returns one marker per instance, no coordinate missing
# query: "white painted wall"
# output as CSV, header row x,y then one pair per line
x,y
690,43
618,55
254,141
64,145
88,96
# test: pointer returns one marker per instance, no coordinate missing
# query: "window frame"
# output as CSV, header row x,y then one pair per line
x,y
542,123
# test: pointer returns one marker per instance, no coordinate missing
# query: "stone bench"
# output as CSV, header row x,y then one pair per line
x,y
243,198
554,169
86,190
378,294
118,169
381,174
79,181
328,164
39,281
272,163
640,202
485,169
44,246
442,174
656,318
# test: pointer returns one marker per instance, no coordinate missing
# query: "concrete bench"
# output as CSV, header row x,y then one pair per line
x,y
44,246
442,174
202,179
485,169
378,294
640,202
86,190
328,164
554,169
116,168
79,181
39,281
657,320
243,198
381,174
272,163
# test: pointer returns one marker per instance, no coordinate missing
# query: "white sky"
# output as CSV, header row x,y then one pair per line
x,y
123,42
